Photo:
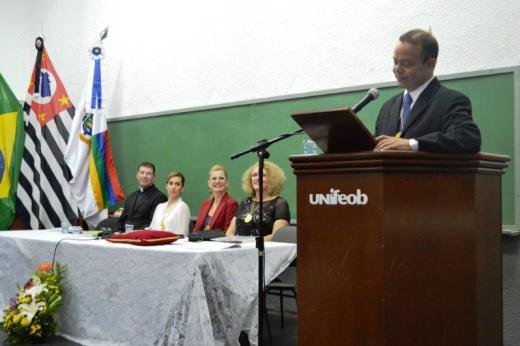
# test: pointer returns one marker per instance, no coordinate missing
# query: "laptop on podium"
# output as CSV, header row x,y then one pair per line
x,y
336,130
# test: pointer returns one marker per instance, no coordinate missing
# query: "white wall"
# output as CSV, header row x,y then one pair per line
x,y
170,55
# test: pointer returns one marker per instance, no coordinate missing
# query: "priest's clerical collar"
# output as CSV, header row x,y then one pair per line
x,y
143,189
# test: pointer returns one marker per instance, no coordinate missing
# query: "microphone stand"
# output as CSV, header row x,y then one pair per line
x,y
261,151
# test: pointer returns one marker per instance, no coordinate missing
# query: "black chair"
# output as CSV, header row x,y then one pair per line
x,y
287,287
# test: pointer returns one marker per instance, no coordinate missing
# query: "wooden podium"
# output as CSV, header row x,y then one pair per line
x,y
399,249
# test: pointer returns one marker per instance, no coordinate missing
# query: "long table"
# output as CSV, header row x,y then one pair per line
x,y
118,294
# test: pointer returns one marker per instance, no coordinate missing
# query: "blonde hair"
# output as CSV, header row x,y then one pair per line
x,y
215,168
274,173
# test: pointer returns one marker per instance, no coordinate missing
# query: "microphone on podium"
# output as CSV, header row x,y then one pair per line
x,y
371,95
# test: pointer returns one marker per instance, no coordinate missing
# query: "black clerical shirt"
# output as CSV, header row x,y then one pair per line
x,y
140,206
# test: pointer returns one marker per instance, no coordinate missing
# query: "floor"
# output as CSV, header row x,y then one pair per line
x,y
285,336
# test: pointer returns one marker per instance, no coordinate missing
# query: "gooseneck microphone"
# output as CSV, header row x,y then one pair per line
x,y
371,95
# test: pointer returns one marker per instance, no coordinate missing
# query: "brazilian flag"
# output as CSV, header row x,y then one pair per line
x,y
12,138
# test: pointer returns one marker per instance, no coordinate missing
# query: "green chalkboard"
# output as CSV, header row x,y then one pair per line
x,y
193,141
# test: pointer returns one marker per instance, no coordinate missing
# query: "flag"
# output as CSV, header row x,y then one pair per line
x,y
44,195
11,148
94,182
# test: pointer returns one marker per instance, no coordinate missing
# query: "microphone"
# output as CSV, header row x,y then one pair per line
x,y
107,233
371,95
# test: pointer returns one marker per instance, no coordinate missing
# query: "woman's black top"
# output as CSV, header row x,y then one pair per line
x,y
248,218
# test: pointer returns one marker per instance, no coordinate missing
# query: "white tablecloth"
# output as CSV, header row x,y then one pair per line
x,y
118,294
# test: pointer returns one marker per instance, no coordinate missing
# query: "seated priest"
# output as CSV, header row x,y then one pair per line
x,y
140,205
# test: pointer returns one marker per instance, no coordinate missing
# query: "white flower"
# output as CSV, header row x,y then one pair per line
x,y
36,280
29,310
35,290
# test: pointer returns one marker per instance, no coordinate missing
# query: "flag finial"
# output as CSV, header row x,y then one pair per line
x,y
39,43
103,34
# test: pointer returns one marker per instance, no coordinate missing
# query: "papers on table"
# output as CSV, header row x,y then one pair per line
x,y
218,243
236,239
206,245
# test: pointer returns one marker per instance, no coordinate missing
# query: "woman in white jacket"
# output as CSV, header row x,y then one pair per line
x,y
173,215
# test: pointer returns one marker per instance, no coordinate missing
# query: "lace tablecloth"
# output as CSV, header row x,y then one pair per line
x,y
117,294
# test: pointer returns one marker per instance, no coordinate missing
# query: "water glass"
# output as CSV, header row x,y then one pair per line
x,y
64,227
76,230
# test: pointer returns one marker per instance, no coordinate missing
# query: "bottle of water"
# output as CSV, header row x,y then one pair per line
x,y
309,147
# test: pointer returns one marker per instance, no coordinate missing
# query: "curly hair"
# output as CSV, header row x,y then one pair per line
x,y
274,173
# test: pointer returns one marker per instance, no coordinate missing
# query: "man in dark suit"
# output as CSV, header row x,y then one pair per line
x,y
141,204
426,116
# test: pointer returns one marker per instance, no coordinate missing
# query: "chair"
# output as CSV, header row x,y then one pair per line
x,y
279,287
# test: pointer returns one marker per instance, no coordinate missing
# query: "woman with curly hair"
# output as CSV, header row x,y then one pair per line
x,y
275,209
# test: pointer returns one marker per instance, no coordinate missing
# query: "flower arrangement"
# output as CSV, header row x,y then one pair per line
x,y
31,315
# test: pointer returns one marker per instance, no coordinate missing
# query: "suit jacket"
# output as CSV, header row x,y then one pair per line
x,y
221,217
440,121
140,206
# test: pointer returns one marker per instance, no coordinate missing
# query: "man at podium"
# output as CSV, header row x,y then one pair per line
x,y
426,116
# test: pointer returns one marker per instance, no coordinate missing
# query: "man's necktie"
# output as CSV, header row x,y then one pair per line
x,y
407,103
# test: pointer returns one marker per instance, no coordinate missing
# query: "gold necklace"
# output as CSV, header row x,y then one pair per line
x,y
249,216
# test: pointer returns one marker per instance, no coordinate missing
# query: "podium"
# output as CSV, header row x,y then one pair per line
x,y
399,249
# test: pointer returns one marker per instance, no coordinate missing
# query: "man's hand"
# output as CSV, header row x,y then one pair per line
x,y
392,143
